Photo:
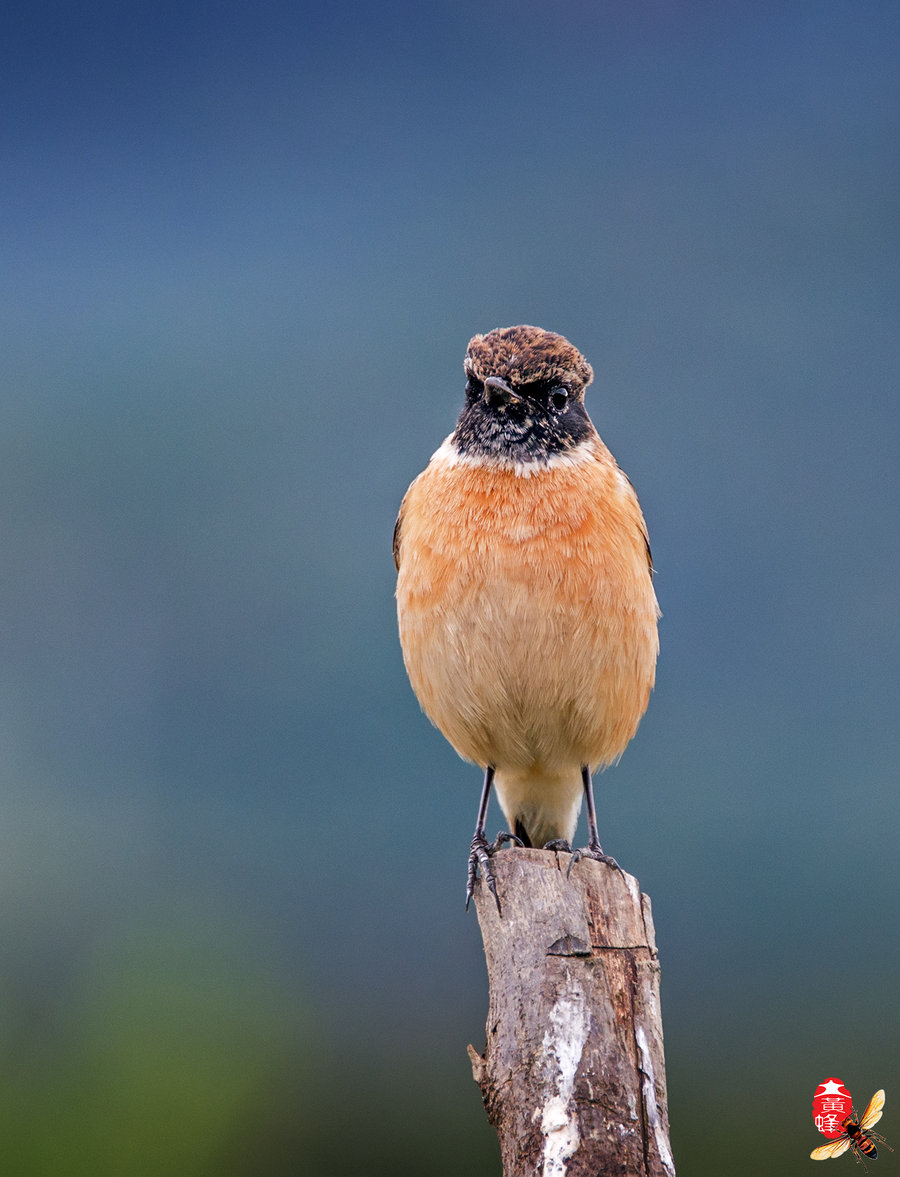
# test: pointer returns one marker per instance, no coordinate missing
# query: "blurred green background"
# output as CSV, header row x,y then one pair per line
x,y
243,249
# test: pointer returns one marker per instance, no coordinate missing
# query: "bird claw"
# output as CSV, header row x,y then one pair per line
x,y
504,836
595,851
480,856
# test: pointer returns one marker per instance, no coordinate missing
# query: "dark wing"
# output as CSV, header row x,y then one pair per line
x,y
644,534
397,526
650,567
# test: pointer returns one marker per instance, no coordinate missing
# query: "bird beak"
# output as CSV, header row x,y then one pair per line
x,y
497,392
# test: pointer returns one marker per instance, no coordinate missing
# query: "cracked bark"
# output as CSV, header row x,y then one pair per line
x,y
573,1073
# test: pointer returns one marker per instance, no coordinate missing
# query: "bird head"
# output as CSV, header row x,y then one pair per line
x,y
524,396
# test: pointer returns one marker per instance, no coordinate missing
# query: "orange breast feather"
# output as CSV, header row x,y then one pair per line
x,y
526,609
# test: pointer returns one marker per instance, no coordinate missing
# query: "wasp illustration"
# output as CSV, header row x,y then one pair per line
x,y
857,1135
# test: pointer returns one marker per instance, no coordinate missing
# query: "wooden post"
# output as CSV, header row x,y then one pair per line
x,y
573,1076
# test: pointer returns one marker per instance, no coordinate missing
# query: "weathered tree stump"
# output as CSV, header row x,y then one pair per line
x,y
573,1075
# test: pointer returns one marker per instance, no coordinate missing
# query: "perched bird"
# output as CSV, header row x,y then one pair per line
x,y
525,601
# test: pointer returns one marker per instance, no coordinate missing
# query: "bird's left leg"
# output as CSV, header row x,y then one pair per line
x,y
482,849
593,848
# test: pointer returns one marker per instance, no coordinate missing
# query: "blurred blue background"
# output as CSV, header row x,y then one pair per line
x,y
243,250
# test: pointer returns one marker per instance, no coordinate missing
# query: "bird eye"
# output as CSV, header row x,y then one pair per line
x,y
474,388
559,397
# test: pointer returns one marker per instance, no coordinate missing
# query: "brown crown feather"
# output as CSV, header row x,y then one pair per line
x,y
522,355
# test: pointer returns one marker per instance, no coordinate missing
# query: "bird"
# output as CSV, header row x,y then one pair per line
x,y
527,615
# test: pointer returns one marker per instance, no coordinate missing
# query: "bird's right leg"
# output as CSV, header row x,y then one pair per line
x,y
482,849
593,849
